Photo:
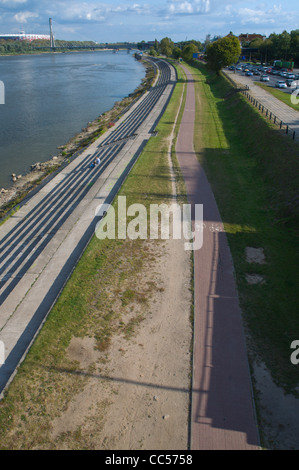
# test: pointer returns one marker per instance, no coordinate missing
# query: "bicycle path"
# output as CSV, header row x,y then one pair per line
x,y
222,411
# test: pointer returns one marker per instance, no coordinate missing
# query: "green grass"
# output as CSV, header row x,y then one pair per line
x,y
13,211
284,97
96,302
254,173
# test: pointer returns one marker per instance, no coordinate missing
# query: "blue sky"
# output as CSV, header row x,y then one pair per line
x,y
131,20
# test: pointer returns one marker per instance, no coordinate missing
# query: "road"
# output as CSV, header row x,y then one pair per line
x,y
282,111
272,80
42,243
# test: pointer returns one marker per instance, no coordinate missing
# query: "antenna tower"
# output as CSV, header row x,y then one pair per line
x,y
52,41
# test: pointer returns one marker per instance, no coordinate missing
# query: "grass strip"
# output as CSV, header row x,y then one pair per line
x,y
254,174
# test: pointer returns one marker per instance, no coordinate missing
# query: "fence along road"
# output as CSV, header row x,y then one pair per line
x,y
42,243
283,113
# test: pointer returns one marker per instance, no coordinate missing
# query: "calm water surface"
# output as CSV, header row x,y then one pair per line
x,y
50,97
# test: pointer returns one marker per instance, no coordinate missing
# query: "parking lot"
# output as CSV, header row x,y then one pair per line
x,y
269,76
282,112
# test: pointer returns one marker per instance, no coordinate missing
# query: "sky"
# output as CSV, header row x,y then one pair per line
x,y
133,21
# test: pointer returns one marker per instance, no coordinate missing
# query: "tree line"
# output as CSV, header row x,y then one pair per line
x,y
184,49
8,46
218,53
283,46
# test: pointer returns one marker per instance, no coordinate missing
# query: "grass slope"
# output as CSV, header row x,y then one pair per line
x,y
254,173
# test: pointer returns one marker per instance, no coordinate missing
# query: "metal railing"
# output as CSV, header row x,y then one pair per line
x,y
270,114
263,109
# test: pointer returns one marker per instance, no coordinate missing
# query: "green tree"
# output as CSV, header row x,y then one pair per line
x,y
153,52
156,46
176,52
281,45
223,52
265,49
188,52
294,46
166,46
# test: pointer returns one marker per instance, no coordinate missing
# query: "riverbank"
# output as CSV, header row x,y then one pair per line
x,y
110,369
23,185
66,51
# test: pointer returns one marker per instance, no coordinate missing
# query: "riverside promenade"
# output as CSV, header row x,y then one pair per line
x,y
223,412
42,242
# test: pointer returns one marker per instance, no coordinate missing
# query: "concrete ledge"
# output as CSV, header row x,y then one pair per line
x,y
24,311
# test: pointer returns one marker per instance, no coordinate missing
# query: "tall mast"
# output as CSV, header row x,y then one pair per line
x,y
52,41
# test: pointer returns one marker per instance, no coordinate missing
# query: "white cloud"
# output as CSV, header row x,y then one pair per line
x,y
189,7
260,16
172,18
93,11
23,16
12,2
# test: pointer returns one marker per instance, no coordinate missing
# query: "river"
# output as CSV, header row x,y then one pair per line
x,y
49,98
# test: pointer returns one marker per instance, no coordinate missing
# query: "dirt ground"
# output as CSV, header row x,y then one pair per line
x,y
137,395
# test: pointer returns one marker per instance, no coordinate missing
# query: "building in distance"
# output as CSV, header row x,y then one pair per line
x,y
22,36
247,38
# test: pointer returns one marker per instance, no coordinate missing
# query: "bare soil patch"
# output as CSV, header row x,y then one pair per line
x,y
137,393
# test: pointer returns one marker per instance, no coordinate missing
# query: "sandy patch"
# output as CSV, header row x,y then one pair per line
x,y
137,394
254,278
255,255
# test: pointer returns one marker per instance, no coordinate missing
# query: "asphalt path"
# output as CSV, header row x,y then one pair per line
x,y
41,244
222,411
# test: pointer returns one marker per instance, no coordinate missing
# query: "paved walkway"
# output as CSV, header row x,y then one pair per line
x,y
223,415
284,112
42,243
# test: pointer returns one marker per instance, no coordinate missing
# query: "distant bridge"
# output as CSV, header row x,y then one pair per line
x,y
91,47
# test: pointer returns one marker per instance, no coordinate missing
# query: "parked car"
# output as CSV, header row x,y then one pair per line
x,y
249,73
264,78
291,83
280,84
291,75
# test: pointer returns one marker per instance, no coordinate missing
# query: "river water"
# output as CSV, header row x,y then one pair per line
x,y
49,98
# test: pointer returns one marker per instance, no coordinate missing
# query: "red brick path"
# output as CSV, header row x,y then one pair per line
x,y
223,415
